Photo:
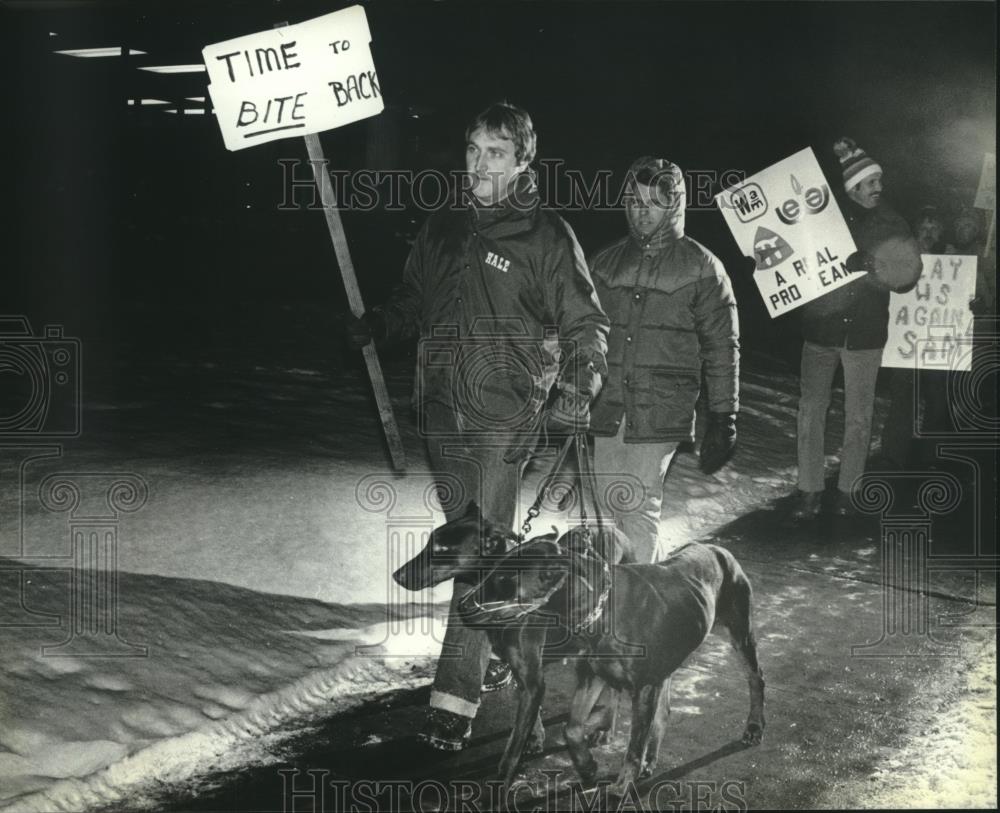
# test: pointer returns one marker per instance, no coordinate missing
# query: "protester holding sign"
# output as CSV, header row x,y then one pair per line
x,y
898,447
848,326
673,315
484,286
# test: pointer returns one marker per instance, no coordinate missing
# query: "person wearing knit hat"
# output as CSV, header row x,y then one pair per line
x,y
673,317
849,327
858,168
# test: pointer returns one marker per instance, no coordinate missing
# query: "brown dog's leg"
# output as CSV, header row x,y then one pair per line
x,y
645,701
536,739
588,688
739,621
602,718
656,731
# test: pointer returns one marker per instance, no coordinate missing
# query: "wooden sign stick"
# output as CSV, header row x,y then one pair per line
x,y
336,226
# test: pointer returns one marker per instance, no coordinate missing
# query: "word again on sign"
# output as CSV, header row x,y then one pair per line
x,y
295,80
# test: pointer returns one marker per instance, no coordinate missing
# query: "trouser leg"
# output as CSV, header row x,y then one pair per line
x,y
467,467
816,380
860,372
898,429
618,462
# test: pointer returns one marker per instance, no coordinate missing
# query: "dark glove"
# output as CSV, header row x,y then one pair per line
x,y
583,376
570,413
359,332
719,442
860,261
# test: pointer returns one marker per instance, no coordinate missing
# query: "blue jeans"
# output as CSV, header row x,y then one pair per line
x,y
640,519
819,364
467,466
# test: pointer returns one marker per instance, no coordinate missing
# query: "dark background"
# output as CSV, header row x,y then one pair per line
x,y
124,223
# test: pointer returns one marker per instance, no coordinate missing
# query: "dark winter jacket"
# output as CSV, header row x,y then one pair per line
x,y
672,314
498,295
856,315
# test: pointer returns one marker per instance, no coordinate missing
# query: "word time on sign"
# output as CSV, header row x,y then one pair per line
x,y
295,80
787,220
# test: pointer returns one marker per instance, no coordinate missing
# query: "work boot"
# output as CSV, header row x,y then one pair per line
x,y
843,506
497,676
806,505
445,730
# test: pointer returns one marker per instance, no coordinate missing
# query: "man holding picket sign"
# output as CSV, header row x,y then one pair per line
x,y
849,327
499,293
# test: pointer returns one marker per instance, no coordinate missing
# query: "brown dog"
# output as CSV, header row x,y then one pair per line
x,y
636,624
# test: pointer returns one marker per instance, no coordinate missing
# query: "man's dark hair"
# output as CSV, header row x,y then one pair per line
x,y
505,120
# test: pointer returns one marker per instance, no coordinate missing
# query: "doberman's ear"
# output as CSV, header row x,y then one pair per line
x,y
472,510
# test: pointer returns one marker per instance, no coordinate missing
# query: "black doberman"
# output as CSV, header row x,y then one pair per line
x,y
470,545
635,624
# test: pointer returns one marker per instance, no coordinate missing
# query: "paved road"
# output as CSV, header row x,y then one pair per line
x,y
881,691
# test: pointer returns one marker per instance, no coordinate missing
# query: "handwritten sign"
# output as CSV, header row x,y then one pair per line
x,y
930,327
295,80
986,194
787,220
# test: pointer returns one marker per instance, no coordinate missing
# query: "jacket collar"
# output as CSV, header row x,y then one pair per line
x,y
670,230
512,215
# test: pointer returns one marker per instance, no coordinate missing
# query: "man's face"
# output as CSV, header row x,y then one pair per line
x,y
492,165
868,192
645,212
965,231
929,232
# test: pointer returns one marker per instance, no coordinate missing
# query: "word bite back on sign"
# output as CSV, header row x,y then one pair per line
x,y
295,80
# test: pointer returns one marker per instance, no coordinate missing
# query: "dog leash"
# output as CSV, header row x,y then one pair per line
x,y
536,506
587,479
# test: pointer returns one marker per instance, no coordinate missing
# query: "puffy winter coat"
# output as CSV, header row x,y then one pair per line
x,y
673,315
498,295
856,315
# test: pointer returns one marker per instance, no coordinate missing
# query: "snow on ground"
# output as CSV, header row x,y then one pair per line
x,y
257,580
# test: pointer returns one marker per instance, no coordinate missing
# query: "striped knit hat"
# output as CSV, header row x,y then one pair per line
x,y
854,162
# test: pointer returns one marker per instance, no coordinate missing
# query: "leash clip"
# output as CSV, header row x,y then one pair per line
x,y
533,512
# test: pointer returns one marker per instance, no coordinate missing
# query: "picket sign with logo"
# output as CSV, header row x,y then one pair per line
x,y
930,327
787,220
297,80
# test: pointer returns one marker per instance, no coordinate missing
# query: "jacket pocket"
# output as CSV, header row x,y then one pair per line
x,y
674,394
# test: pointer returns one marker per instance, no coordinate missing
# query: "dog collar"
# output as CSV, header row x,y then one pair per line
x,y
591,618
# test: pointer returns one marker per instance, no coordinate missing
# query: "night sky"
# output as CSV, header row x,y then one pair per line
x,y
112,206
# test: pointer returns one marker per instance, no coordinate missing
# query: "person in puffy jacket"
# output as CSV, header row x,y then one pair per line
x,y
498,292
673,325
849,327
